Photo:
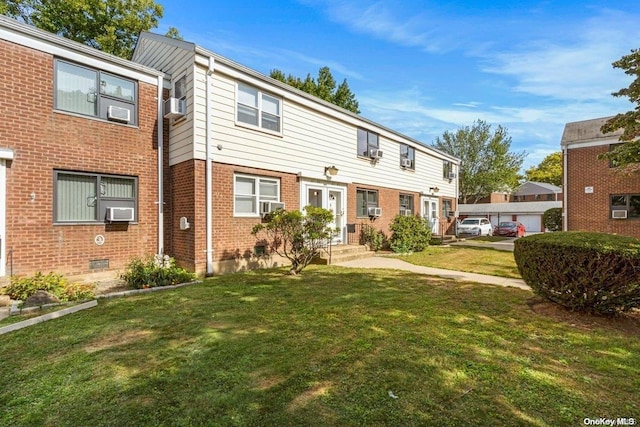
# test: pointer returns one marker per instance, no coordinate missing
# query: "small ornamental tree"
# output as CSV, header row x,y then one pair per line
x,y
296,236
552,219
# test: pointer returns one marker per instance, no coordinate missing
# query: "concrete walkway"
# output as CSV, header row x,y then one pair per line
x,y
398,264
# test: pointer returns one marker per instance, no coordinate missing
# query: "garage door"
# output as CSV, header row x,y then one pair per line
x,y
533,223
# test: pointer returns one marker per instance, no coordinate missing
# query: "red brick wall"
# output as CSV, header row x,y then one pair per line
x,y
44,140
591,212
232,237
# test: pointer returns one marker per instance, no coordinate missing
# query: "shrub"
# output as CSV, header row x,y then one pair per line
x,y
409,234
21,288
375,239
552,219
154,271
591,272
296,236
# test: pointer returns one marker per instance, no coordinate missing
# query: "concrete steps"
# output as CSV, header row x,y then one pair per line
x,y
342,253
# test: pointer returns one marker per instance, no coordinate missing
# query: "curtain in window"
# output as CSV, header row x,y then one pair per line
x,y
76,89
247,105
76,198
117,87
268,190
121,188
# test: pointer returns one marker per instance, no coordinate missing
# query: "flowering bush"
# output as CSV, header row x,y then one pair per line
x,y
154,271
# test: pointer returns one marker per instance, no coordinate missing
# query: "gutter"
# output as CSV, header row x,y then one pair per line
x,y
209,171
160,168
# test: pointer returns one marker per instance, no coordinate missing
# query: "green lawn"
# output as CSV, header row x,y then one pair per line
x,y
471,259
324,348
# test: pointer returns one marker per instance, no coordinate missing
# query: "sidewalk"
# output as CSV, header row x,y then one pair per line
x,y
398,264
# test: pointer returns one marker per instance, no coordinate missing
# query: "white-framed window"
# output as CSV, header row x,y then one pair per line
x,y
82,90
81,197
408,153
250,191
259,109
367,141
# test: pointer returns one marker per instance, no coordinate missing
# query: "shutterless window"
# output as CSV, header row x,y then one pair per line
x,y
447,169
250,191
365,199
83,197
407,152
258,109
367,141
446,207
406,203
628,202
91,92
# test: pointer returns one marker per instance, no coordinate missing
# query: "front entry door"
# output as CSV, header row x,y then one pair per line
x,y
332,199
3,217
430,211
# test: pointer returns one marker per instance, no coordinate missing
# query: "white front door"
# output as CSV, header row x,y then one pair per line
x,y
331,198
430,209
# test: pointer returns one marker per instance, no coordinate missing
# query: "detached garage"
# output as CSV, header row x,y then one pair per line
x,y
528,213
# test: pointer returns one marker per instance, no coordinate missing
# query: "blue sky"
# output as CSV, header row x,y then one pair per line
x,y
426,67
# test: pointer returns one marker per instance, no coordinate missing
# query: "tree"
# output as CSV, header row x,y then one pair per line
x,y
552,219
549,170
324,87
296,236
626,156
487,165
112,26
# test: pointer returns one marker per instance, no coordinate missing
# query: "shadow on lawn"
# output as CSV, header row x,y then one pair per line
x,y
329,347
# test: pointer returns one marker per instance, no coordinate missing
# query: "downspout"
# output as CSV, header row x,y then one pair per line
x,y
160,168
209,172
565,217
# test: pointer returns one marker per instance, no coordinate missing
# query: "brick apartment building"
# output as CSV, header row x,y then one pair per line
x,y
78,140
597,198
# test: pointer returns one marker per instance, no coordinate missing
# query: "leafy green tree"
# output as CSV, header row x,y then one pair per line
x,y
174,33
324,87
296,236
626,156
549,170
552,219
487,164
112,26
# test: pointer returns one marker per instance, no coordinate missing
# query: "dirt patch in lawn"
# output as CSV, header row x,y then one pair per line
x,y
627,323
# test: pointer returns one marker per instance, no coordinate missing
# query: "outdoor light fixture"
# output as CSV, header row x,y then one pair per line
x,y
330,170
434,189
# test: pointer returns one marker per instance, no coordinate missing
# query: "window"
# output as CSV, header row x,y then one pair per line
x,y
367,141
550,196
626,202
85,197
250,191
409,153
258,109
365,199
447,169
90,92
180,88
406,204
446,207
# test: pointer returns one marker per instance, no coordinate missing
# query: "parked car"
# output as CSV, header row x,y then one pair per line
x,y
510,228
475,227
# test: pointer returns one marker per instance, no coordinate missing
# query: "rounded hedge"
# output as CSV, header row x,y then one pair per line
x,y
590,272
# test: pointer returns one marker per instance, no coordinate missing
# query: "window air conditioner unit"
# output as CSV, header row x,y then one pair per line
x,y
115,214
374,212
375,153
407,212
452,175
118,114
268,207
619,214
175,108
405,163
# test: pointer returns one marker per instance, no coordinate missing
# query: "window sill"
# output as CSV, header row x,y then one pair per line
x,y
94,223
97,119
258,129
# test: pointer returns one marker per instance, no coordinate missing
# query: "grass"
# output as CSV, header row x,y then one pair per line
x,y
324,348
470,259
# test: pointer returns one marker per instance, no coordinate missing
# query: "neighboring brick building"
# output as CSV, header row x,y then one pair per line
x,y
597,198
241,143
72,154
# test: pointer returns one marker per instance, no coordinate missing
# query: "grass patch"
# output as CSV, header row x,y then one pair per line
x,y
323,348
470,259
